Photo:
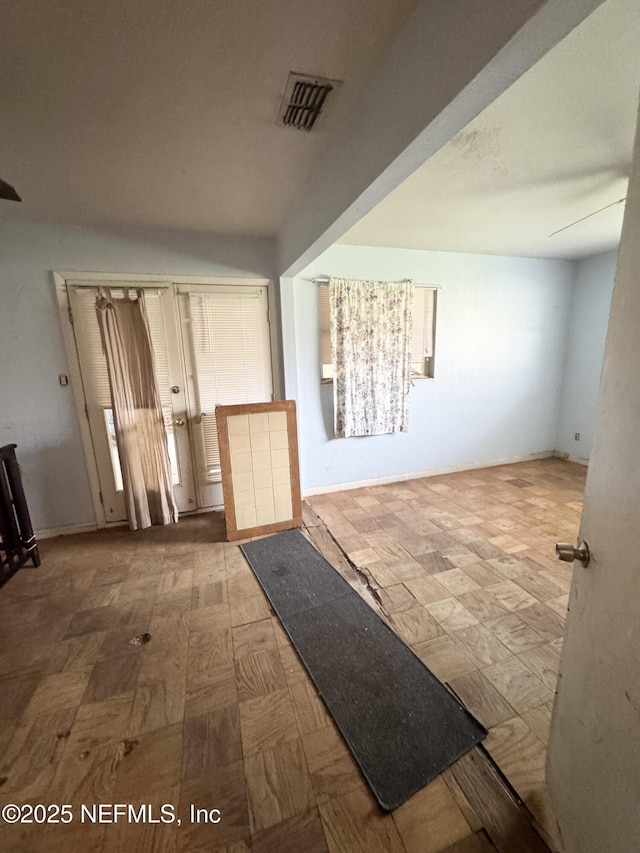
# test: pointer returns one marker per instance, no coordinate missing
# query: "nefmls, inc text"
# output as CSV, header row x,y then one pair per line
x,y
145,813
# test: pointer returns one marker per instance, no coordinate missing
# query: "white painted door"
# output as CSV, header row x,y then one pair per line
x,y
167,343
594,753
97,396
212,346
225,331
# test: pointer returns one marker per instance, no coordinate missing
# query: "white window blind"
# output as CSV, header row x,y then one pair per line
x,y
325,332
87,332
158,342
422,339
230,340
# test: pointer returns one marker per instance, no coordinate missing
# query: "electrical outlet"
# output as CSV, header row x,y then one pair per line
x,y
577,436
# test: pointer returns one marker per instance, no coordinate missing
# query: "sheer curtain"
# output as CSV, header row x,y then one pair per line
x,y
370,352
137,411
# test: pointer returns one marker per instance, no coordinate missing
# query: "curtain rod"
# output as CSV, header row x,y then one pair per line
x,y
324,279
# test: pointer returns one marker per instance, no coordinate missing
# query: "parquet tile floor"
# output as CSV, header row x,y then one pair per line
x,y
216,709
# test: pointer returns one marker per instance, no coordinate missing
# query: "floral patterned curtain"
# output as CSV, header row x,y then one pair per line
x,y
370,342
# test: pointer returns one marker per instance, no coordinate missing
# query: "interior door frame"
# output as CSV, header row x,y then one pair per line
x,y
63,278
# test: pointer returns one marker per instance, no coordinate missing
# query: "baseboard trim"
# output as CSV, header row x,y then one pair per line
x,y
568,457
416,475
51,532
69,529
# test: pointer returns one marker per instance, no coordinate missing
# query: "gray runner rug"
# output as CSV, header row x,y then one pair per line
x,y
402,725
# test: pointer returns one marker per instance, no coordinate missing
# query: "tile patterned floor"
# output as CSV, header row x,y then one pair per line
x,y
465,570
217,711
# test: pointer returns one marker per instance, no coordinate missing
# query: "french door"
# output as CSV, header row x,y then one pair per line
x,y
227,359
211,346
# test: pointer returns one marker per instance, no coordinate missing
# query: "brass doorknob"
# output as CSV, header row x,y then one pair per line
x,y
178,421
567,553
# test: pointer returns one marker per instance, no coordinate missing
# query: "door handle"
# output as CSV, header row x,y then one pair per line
x,y
567,553
198,418
178,421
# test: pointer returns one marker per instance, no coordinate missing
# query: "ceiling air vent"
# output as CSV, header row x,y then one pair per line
x,y
304,100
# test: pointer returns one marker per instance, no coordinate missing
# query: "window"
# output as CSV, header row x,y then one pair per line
x,y
422,339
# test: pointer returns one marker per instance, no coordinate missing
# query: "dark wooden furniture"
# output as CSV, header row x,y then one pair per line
x,y
17,541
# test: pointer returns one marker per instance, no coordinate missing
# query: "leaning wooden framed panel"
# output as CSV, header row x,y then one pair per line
x,y
260,469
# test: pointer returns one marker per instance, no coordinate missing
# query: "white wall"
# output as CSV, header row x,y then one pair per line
x,y
35,412
502,332
500,351
585,349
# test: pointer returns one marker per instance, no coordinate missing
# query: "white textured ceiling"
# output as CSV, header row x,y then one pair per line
x,y
162,113
159,113
554,148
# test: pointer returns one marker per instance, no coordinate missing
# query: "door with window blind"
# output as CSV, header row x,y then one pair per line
x,y
97,395
228,361
211,346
